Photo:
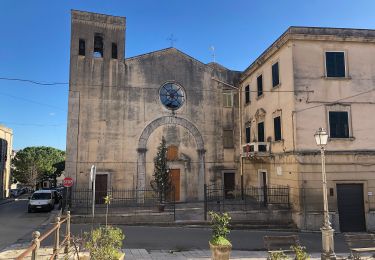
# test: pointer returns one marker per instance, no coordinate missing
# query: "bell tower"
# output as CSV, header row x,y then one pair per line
x,y
97,63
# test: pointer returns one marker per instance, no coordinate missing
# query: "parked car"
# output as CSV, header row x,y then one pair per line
x,y
14,193
41,200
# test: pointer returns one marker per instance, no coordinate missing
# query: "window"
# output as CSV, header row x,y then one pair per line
x,y
277,128
247,94
172,95
247,130
260,85
275,75
335,64
228,138
98,46
114,50
172,153
338,124
228,99
82,47
261,132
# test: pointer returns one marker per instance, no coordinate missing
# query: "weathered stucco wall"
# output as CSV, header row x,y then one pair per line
x,y
6,134
113,101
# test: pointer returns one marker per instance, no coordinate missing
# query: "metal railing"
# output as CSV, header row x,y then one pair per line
x,y
123,201
250,198
57,246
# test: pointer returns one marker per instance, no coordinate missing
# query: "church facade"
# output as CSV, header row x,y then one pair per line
x,y
121,108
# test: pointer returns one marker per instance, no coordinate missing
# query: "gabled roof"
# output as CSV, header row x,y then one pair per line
x,y
211,65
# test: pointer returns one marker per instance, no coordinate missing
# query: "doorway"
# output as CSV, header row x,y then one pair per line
x,y
101,182
351,208
175,179
229,185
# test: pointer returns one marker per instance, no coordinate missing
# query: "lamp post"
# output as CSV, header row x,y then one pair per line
x,y
321,138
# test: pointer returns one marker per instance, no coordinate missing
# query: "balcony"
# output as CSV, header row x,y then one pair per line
x,y
258,148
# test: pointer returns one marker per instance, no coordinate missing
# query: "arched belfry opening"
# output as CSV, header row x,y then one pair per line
x,y
142,149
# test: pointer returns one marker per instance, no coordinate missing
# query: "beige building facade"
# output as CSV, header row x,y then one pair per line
x,y
310,78
6,144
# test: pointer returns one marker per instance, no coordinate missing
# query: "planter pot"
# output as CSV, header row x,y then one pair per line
x,y
220,252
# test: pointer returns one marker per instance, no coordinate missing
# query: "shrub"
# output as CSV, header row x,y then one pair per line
x,y
220,230
300,252
280,255
104,243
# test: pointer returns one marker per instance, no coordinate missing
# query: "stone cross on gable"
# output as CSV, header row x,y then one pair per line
x,y
172,39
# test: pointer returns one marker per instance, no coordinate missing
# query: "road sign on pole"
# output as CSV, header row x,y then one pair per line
x,y
68,182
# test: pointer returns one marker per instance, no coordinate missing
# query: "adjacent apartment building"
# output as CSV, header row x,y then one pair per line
x,y
310,78
6,141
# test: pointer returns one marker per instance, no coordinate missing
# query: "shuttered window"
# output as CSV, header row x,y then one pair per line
x,y
247,132
247,94
335,64
228,138
260,85
261,132
228,99
172,153
338,124
277,128
275,75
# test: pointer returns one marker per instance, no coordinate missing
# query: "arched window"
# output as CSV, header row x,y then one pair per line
x,y
98,46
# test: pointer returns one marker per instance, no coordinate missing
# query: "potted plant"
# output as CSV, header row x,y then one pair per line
x,y
219,244
161,183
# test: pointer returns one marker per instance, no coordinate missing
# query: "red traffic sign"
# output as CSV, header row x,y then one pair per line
x,y
68,182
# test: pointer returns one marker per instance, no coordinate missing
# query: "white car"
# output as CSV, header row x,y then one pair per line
x,y
41,200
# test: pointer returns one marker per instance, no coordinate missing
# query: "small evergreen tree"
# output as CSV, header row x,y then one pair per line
x,y
162,181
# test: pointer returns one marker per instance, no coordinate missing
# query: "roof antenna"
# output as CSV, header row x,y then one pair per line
x,y
212,48
172,39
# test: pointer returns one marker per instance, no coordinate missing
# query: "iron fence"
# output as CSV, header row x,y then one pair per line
x,y
122,201
246,199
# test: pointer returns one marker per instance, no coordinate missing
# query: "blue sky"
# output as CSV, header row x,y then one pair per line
x,y
35,38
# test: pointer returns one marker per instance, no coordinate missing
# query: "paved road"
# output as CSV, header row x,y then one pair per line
x,y
16,223
179,238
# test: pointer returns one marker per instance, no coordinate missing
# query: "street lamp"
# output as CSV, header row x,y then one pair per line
x,y
321,138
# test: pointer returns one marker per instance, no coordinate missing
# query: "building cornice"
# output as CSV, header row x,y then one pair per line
x,y
99,20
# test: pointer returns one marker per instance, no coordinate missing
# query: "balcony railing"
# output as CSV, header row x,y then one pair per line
x,y
261,148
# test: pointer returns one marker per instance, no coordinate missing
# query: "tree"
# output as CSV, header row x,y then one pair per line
x,y
32,165
162,181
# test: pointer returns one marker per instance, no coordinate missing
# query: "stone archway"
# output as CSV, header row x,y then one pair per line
x,y
142,148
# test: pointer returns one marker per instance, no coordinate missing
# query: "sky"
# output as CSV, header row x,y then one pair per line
x,y
35,40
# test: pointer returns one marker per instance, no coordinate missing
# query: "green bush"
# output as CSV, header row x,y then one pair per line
x,y
279,255
220,229
300,252
104,243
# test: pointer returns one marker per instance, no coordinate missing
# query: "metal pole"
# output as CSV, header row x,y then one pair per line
x,y
327,231
57,239
67,233
93,169
36,235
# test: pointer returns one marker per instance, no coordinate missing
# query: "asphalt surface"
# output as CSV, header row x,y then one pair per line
x,y
16,223
182,238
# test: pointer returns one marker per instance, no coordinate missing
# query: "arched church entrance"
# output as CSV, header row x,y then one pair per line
x,y
142,149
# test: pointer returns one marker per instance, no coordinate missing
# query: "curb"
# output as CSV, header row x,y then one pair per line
x,y
6,201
